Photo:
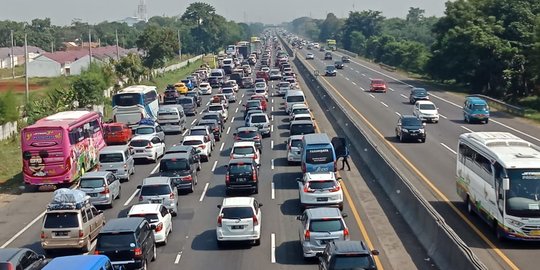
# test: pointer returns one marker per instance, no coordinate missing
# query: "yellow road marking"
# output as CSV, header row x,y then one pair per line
x,y
425,179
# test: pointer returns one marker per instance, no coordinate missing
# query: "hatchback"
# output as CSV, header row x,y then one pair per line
x,y
294,145
340,254
117,159
263,98
148,147
319,226
158,216
103,187
418,94
205,89
320,189
159,190
301,127
245,150
151,128
116,133
260,121
217,107
216,116
250,134
239,220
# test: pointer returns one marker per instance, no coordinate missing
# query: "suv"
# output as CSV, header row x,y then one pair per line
x,y
345,59
150,127
260,121
70,221
178,148
377,85
320,188
203,131
245,150
214,126
319,226
128,242
475,109
426,110
418,94
218,107
294,146
148,147
327,56
159,189
239,220
250,134
410,127
347,254
339,65
102,187
330,71
242,174
116,133
301,127
182,168
157,215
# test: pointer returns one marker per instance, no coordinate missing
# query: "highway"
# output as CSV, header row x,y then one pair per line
x,y
192,244
430,166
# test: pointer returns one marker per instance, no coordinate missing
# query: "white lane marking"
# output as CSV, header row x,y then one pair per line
x,y
273,248
228,130
272,118
272,164
155,169
131,197
39,217
384,104
371,95
193,122
273,191
449,149
398,114
272,108
362,88
515,130
347,79
178,256
403,96
235,111
184,134
391,89
443,116
92,246
467,129
207,103
445,100
242,95
354,83
204,192
201,112
221,147
363,74
272,144
272,128
215,164
357,71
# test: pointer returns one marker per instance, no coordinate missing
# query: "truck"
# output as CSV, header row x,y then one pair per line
x,y
244,51
331,44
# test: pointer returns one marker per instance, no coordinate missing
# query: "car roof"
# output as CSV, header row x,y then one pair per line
x,y
243,143
323,212
122,224
167,109
315,176
302,122
156,180
237,201
113,148
299,106
241,160
476,100
258,114
409,116
180,147
95,174
144,137
296,137
350,247
78,261
200,127
144,208
7,254
302,115
418,89
194,137
247,129
176,156
424,102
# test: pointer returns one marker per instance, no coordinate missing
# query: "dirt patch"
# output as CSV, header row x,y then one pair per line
x,y
6,198
17,86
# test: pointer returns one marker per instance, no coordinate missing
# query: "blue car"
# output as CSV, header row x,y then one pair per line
x,y
475,109
81,262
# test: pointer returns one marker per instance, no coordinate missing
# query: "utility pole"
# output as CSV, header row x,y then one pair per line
x,y
26,61
179,46
12,58
90,45
117,49
52,46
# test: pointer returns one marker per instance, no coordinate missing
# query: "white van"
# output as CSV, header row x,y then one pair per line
x,y
294,97
171,119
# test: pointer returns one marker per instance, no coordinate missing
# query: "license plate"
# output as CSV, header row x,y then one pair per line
x,y
325,241
92,194
156,201
237,227
61,234
241,179
139,151
322,199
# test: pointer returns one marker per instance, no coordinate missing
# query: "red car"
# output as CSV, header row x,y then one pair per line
x,y
377,85
116,133
263,74
262,98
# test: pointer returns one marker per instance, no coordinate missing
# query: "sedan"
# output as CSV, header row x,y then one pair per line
x,y
310,56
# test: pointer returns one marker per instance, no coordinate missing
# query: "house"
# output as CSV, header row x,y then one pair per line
x,y
18,52
71,62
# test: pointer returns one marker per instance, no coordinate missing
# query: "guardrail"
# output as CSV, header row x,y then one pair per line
x,y
387,67
438,239
349,53
503,106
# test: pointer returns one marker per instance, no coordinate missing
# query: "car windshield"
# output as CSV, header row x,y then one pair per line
x,y
247,134
192,142
144,130
302,117
116,241
420,92
210,117
61,220
167,113
411,122
154,190
139,143
197,132
227,91
284,84
295,99
237,212
215,108
300,111
203,85
258,119
174,165
113,128
330,68
479,107
319,156
239,168
523,197
300,129
377,82
296,143
151,218
243,150
427,107
128,99
326,225
260,85
111,157
253,103
356,261
327,184
91,182
185,101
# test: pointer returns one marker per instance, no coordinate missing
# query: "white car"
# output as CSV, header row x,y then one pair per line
x,y
426,110
245,150
205,89
283,87
310,56
156,214
239,219
320,189
300,108
294,145
302,116
261,86
149,147
218,107
233,84
202,143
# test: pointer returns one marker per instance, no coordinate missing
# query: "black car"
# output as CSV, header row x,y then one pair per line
x,y
128,241
340,254
418,94
249,134
195,94
327,56
182,169
214,126
170,96
242,174
217,116
215,82
330,71
345,59
410,127
21,259
339,65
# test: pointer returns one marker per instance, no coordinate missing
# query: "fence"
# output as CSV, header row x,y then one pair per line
x,y
7,130
179,65
503,106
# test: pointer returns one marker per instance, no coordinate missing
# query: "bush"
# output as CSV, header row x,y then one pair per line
x,y
9,110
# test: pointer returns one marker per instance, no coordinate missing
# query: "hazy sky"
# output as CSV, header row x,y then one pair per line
x,y
62,12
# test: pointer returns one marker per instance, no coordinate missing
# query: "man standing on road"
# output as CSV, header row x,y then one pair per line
x,y
345,159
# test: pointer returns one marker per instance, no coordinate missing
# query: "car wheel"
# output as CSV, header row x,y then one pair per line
x,y
145,267
192,188
154,160
257,242
469,206
465,118
227,192
88,246
487,120
423,140
154,257
132,171
401,137
256,191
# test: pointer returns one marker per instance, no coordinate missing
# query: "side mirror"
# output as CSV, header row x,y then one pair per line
x,y
139,186
375,252
321,260
344,215
219,206
171,211
506,184
260,204
42,257
100,212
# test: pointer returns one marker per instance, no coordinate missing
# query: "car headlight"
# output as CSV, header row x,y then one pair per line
x,y
404,130
514,222
422,130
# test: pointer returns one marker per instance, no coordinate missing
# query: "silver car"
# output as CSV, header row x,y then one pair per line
x,y
154,129
117,159
319,226
102,187
294,145
159,190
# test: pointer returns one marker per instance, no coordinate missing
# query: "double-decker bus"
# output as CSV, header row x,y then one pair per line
x,y
134,103
60,148
498,177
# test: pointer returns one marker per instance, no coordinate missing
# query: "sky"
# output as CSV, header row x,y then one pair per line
x,y
62,12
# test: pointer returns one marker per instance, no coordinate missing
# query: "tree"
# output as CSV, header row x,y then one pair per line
x,y
366,22
358,42
130,67
329,27
159,44
89,86
9,110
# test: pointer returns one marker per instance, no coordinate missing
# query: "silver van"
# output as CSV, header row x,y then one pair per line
x,y
117,159
189,104
172,119
159,189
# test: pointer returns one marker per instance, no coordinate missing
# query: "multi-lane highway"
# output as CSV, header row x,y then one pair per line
x,y
431,165
192,244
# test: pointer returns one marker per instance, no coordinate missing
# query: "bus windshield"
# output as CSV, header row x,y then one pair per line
x,y
523,198
128,99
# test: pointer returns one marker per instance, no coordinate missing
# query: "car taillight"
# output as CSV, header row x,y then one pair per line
x,y
255,220
81,233
105,191
187,178
43,235
227,178
307,235
346,234
159,227
138,252
255,156
125,166
219,221
68,164
203,146
96,252
336,188
171,196
308,190
149,146
254,175
114,118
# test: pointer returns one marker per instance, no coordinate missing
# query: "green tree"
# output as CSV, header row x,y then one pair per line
x,y
329,27
367,22
89,86
9,111
358,42
130,67
159,45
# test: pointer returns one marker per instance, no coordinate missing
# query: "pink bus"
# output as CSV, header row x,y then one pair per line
x,y
58,149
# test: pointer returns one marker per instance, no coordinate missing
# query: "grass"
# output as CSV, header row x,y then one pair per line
x,y
172,77
10,171
532,105
7,73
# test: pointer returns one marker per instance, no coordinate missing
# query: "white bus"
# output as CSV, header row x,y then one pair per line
x,y
134,103
498,177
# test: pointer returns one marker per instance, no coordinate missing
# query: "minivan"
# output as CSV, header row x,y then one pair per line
x,y
318,154
102,187
189,104
182,169
475,109
117,159
171,119
294,97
